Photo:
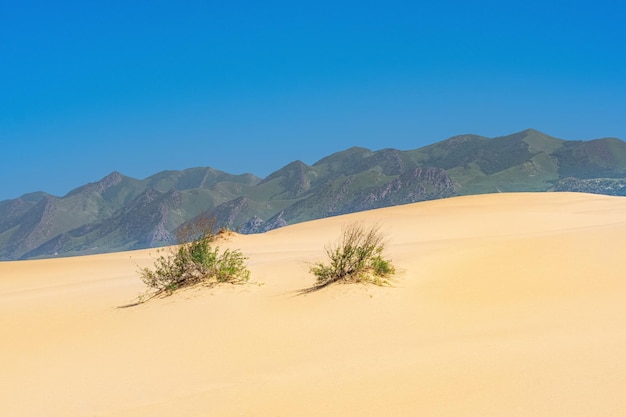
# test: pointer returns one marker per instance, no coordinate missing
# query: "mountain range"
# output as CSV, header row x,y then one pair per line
x,y
123,213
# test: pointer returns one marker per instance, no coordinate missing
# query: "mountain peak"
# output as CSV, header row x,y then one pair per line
x,y
539,142
111,180
352,153
531,131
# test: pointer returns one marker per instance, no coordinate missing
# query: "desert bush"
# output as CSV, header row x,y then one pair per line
x,y
195,260
357,257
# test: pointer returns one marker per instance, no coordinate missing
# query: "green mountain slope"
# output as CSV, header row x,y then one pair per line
x,y
119,212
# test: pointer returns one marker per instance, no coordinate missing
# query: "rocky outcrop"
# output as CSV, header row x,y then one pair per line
x,y
607,186
418,184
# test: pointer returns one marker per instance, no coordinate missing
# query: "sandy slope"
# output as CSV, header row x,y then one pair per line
x,y
506,305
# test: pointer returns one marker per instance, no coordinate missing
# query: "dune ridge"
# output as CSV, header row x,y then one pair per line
x,y
504,304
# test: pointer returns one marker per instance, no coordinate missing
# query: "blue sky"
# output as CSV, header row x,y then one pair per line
x,y
87,88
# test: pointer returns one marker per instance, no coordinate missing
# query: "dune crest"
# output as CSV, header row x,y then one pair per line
x,y
505,304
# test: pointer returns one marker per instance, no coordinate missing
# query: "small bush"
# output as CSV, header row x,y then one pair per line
x,y
196,261
357,257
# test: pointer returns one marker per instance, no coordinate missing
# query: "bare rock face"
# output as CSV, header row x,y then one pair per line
x,y
606,186
254,225
418,184
257,225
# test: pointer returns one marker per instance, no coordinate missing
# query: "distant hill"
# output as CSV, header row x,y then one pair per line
x,y
123,213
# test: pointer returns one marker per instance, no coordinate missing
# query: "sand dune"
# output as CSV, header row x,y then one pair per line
x,y
504,305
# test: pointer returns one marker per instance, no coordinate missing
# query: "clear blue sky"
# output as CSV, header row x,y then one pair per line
x,y
87,88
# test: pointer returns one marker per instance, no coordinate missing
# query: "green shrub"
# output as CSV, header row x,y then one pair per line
x,y
357,257
196,261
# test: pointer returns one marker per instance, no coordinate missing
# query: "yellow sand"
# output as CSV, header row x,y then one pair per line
x,y
504,305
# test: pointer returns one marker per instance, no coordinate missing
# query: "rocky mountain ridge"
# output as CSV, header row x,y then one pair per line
x,y
122,213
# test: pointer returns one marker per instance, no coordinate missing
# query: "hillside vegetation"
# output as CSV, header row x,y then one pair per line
x,y
122,213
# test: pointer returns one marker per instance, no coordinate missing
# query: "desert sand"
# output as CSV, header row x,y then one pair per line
x,y
503,305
